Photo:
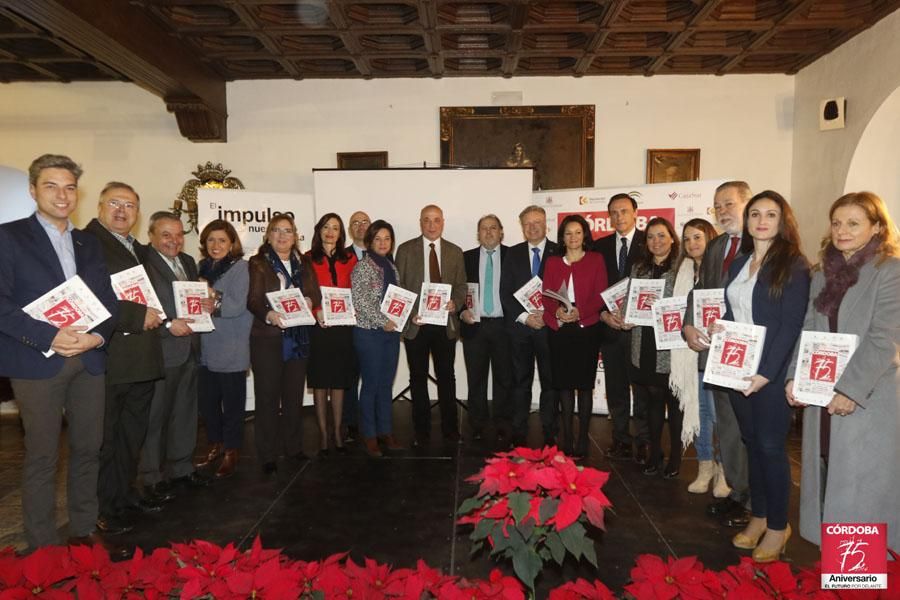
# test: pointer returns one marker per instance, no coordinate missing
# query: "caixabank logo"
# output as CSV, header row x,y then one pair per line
x,y
854,556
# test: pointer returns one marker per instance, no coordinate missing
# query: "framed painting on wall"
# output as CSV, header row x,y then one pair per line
x,y
556,141
666,166
362,160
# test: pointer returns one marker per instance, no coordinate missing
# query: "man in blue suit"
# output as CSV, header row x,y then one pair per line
x,y
39,253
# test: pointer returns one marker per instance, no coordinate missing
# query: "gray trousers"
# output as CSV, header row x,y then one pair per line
x,y
731,447
41,404
172,430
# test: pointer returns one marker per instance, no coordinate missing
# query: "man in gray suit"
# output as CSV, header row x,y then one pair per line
x,y
429,258
730,199
172,433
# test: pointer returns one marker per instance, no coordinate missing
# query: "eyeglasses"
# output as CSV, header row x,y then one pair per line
x,y
356,223
117,204
283,230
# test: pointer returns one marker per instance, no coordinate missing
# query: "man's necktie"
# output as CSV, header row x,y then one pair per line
x,y
434,268
535,261
623,256
735,241
488,291
179,271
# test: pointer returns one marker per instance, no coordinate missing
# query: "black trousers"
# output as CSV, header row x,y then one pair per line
x,y
659,399
278,387
615,347
126,417
526,346
488,350
222,399
432,340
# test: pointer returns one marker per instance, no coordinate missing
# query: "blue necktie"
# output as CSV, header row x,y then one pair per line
x,y
488,291
623,255
535,261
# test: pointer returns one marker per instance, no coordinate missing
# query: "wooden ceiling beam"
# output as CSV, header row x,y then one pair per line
x,y
676,42
136,46
518,15
765,36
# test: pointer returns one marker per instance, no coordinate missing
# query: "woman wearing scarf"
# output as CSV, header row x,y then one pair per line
x,y
376,338
332,367
225,352
851,471
279,354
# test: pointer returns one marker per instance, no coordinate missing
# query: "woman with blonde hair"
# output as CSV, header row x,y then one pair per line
x,y
850,469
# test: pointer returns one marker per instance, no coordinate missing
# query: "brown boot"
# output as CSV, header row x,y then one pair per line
x,y
390,442
215,453
229,464
372,448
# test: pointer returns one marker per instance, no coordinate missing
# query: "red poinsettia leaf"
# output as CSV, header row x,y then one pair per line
x,y
548,478
568,511
593,508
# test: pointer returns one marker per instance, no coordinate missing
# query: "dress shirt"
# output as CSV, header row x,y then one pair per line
x,y
542,246
358,250
740,294
62,245
426,257
628,236
482,261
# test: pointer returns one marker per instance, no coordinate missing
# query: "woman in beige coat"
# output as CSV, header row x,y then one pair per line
x,y
851,448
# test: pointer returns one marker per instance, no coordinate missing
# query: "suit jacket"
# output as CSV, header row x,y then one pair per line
x,y
29,268
411,267
589,278
176,350
711,277
782,317
516,272
263,279
607,246
863,471
471,258
134,354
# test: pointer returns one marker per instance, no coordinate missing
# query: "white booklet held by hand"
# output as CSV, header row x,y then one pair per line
x,y
615,295
561,295
70,304
709,306
397,305
530,296
472,303
642,293
188,304
734,354
133,285
337,306
821,361
668,319
433,303
291,306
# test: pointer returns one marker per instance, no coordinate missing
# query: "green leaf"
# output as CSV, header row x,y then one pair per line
x,y
516,540
527,530
548,508
556,546
501,543
476,548
318,595
545,554
527,564
470,504
590,553
519,504
482,529
571,537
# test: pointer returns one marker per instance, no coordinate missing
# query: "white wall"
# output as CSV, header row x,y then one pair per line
x,y
280,130
866,71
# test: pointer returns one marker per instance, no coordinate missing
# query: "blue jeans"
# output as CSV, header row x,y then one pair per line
x,y
705,442
377,351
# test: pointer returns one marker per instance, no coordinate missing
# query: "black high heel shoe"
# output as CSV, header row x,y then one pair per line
x,y
671,472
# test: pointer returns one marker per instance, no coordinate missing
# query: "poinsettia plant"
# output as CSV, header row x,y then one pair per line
x,y
534,506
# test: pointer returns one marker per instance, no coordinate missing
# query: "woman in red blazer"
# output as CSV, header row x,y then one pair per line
x,y
579,275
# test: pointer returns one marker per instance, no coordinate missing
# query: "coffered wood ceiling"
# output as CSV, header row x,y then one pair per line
x,y
185,50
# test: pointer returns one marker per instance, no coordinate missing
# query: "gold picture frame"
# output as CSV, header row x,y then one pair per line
x,y
669,165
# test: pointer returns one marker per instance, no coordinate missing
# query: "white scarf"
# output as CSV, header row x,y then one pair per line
x,y
683,376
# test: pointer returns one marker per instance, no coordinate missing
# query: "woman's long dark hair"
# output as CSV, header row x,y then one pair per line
x,y
785,248
645,263
373,230
561,231
317,250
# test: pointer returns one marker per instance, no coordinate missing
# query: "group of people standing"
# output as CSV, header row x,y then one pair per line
x,y
132,388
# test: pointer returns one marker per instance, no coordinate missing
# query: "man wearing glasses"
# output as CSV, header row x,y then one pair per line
x,y
134,363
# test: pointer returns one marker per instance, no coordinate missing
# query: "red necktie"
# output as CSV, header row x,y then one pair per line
x,y
434,269
735,241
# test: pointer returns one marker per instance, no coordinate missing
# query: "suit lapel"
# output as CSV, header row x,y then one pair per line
x,y
45,251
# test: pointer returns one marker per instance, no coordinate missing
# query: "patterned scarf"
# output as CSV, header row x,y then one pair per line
x,y
294,340
211,270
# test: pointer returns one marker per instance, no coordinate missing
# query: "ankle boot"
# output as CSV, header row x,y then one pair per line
x,y
372,448
721,488
390,442
214,454
229,464
704,476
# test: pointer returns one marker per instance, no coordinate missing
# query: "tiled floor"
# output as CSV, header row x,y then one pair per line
x,y
401,508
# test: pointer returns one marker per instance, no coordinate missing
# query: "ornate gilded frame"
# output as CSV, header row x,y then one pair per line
x,y
206,176
669,165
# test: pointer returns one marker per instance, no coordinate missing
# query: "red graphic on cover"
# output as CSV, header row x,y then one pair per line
x,y
537,300
671,321
290,305
645,300
338,305
134,294
711,314
470,302
823,367
62,314
396,308
193,305
733,354
433,302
